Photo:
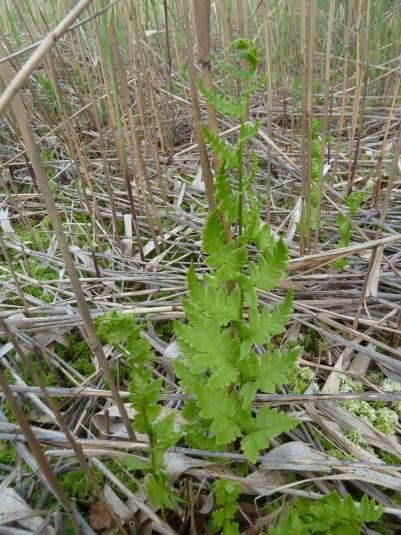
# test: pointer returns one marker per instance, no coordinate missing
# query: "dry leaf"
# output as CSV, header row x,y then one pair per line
x,y
100,516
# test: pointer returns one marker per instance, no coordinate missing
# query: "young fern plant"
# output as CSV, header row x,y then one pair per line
x,y
122,332
227,346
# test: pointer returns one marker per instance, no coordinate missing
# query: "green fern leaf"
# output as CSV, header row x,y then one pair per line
x,y
280,314
267,424
206,347
227,200
240,74
226,258
220,408
219,147
368,511
257,232
228,262
271,321
248,179
213,234
248,131
246,51
217,304
276,367
226,105
269,269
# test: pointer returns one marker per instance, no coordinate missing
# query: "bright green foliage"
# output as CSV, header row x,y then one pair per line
x,y
330,515
269,268
227,345
226,494
267,424
118,329
353,202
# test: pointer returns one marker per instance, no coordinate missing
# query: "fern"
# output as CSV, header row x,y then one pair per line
x,y
330,515
222,364
121,331
226,494
353,202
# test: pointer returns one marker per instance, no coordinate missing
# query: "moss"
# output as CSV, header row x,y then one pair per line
x,y
7,456
165,329
78,354
76,485
300,378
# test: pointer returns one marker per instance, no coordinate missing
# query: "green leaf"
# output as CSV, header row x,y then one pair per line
x,y
214,348
226,491
279,315
257,232
269,269
246,51
247,392
222,103
276,367
228,262
221,408
113,327
239,74
219,304
158,493
369,511
219,147
226,494
267,323
213,235
165,435
227,200
248,131
292,523
267,424
133,463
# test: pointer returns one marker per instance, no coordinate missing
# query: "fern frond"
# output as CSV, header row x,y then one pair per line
x,y
269,322
206,347
219,305
276,367
227,200
222,103
213,234
239,74
267,424
269,269
246,51
223,420
248,131
219,147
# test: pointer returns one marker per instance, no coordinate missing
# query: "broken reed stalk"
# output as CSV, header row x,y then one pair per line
x,y
325,126
204,160
48,198
269,104
202,27
347,39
